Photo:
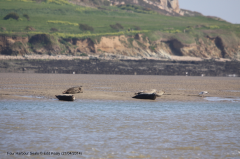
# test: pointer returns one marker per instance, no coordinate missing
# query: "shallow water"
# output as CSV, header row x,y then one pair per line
x,y
220,99
117,129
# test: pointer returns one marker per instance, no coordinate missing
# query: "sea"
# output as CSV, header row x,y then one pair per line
x,y
94,129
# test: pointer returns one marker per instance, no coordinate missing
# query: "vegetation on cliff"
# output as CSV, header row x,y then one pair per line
x,y
61,19
66,17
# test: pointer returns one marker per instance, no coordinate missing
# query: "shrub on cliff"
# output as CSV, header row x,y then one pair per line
x,y
96,2
26,16
135,8
117,26
43,41
11,15
137,28
83,54
29,28
85,27
53,29
106,3
147,9
3,29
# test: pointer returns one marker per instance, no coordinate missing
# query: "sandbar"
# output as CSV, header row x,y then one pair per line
x,y
22,86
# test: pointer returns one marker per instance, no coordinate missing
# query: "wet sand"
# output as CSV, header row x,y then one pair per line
x,y
115,87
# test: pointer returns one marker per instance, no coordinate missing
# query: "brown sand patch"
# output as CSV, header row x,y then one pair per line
x,y
116,87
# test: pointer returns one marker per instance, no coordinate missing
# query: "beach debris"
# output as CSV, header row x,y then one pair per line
x,y
202,93
73,90
65,97
152,96
149,94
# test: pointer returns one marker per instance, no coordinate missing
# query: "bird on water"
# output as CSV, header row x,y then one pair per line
x,y
202,93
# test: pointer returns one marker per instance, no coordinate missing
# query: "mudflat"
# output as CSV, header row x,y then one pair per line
x,y
116,87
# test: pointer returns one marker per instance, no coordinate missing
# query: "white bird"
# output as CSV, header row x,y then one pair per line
x,y
202,93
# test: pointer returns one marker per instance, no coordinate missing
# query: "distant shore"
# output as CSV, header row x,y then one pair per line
x,y
117,64
20,86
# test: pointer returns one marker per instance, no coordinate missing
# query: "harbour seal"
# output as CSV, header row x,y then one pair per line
x,y
146,96
151,91
73,90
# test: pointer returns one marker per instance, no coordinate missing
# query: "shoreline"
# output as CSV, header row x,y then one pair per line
x,y
43,98
23,98
116,87
205,67
107,56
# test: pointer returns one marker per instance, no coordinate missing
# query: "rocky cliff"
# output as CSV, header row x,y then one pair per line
x,y
168,7
208,47
131,46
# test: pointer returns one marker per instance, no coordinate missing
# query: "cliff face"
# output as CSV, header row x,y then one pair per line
x,y
13,45
37,44
168,7
171,6
132,46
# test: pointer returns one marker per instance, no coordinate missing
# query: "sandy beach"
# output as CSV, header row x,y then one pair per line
x,y
22,86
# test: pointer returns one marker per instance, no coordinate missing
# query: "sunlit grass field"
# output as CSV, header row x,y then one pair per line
x,y
65,17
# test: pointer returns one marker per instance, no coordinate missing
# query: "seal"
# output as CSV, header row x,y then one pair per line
x,y
159,93
152,96
66,97
73,90
151,91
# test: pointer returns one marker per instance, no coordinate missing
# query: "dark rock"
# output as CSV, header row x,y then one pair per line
x,y
169,68
73,90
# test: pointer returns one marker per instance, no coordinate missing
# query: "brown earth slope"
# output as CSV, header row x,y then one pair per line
x,y
132,46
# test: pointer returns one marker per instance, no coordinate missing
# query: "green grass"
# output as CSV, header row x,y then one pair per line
x,y
137,9
65,17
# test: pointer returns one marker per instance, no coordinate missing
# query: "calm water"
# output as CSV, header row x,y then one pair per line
x,y
115,129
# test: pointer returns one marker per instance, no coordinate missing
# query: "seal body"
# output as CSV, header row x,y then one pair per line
x,y
73,90
66,97
151,91
152,96
159,93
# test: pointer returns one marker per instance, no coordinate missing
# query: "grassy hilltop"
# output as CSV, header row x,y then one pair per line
x,y
65,18
62,19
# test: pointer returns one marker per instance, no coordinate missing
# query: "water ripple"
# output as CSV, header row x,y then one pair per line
x,y
106,129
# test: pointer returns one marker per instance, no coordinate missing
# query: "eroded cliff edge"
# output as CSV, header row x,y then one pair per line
x,y
156,45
